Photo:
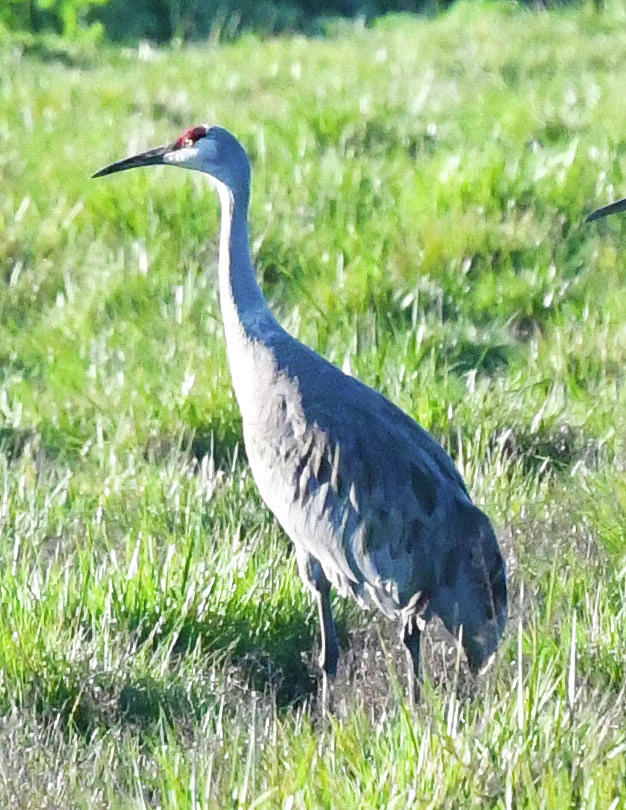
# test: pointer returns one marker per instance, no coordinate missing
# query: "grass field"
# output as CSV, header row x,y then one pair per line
x,y
418,196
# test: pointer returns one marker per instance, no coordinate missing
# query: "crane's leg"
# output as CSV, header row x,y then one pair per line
x,y
412,626
412,636
314,577
329,654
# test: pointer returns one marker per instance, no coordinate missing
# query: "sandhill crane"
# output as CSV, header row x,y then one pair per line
x,y
611,208
373,504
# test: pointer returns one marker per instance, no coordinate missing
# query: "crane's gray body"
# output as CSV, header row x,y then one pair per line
x,y
353,481
373,504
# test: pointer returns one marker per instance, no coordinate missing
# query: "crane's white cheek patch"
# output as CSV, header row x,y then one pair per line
x,y
188,155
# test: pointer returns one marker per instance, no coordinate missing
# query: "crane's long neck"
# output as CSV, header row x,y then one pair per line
x,y
248,323
243,307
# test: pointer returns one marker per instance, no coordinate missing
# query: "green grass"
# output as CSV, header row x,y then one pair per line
x,y
418,197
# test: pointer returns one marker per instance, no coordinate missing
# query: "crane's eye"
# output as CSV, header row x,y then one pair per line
x,y
190,136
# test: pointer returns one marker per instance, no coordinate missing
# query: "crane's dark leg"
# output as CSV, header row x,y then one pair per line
x,y
412,636
412,628
313,575
329,654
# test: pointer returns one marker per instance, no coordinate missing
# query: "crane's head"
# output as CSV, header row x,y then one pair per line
x,y
472,596
212,150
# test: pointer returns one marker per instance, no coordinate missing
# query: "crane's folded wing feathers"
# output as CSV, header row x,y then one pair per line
x,y
369,493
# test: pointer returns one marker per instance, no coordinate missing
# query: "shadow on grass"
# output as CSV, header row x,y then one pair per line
x,y
219,440
484,358
273,659
48,441
219,437
237,661
555,447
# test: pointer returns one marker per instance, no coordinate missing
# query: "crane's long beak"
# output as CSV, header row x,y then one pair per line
x,y
611,208
153,157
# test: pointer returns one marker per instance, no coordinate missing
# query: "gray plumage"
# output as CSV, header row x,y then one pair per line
x,y
373,504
